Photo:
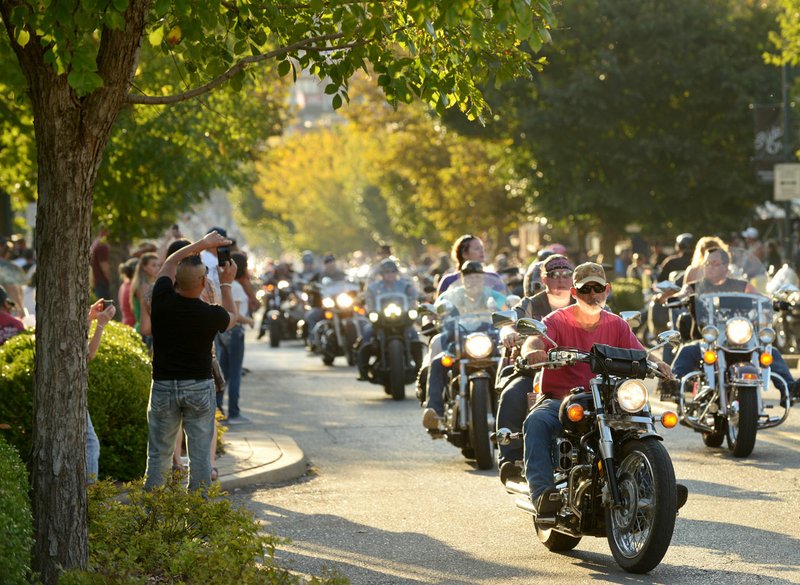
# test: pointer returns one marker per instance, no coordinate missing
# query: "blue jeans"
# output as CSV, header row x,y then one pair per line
x,y
92,452
541,428
313,317
689,356
173,402
511,412
230,353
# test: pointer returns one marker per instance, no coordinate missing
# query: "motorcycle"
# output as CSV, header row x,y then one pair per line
x,y
394,366
722,399
341,326
283,310
471,358
613,476
783,287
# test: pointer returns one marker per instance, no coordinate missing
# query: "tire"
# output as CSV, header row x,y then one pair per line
x,y
328,360
639,535
422,385
397,369
555,541
480,404
274,333
742,420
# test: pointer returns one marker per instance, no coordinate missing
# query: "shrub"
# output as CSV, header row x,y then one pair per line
x,y
15,517
171,536
119,388
627,295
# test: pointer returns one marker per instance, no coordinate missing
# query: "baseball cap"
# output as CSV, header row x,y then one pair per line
x,y
588,272
750,232
308,256
4,297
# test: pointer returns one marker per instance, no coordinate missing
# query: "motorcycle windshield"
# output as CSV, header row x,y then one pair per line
x,y
336,287
384,300
472,299
732,283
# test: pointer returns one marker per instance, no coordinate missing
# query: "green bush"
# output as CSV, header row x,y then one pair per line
x,y
627,295
171,536
119,388
15,517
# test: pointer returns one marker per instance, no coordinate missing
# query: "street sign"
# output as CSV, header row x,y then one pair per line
x,y
787,181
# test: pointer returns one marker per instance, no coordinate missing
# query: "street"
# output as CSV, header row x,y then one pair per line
x,y
385,504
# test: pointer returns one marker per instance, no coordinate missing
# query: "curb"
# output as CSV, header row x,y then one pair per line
x,y
287,462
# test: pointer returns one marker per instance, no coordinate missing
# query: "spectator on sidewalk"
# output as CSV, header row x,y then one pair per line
x,y
9,325
143,278
102,314
183,389
99,253
230,346
126,271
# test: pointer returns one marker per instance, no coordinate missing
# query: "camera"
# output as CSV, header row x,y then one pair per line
x,y
223,254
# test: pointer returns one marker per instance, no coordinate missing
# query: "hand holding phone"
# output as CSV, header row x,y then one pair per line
x,y
223,255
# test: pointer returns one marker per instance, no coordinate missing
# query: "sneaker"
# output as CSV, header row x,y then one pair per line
x,y
683,494
431,420
238,420
510,471
545,506
669,390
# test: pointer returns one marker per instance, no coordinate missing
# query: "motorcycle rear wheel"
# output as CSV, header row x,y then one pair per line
x,y
397,369
555,541
481,410
639,533
742,420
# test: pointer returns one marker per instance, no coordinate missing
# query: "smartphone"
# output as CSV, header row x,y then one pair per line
x,y
223,254
106,304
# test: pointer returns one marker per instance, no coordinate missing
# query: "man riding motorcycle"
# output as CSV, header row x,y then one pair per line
x,y
473,293
331,271
513,405
390,282
577,326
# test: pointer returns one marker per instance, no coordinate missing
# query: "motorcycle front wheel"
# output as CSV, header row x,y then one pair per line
x,y
480,426
640,530
274,333
397,369
742,420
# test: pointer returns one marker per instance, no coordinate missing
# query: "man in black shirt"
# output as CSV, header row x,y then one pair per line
x,y
183,389
684,247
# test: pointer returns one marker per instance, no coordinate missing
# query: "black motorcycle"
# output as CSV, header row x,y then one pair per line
x,y
283,309
341,325
394,366
613,476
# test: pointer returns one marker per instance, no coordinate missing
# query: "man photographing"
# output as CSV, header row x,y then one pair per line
x,y
183,389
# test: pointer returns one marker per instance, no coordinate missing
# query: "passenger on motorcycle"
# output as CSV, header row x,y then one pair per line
x,y
472,296
466,248
684,244
331,271
577,326
515,388
390,282
716,279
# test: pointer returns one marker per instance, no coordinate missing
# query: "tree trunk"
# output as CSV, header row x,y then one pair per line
x,y
71,133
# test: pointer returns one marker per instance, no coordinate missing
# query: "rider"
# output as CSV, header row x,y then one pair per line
x,y
577,326
466,248
471,296
389,283
513,405
716,280
330,270
684,244
308,272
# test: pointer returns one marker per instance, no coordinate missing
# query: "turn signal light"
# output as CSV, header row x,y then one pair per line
x,y
328,315
765,359
270,287
710,356
750,376
575,412
669,419
448,361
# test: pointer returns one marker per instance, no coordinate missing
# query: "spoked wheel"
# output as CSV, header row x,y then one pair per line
x,y
742,420
555,541
640,530
482,423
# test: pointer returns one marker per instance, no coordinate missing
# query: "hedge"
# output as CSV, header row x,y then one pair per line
x,y
15,517
626,295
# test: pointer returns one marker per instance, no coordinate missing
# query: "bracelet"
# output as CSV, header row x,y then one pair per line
x,y
226,284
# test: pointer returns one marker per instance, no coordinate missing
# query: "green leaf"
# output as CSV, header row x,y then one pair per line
x,y
284,67
331,88
121,5
161,7
23,36
337,102
156,36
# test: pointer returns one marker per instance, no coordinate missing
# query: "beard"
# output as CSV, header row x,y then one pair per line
x,y
592,308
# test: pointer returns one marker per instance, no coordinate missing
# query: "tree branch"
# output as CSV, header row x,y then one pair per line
x,y
240,66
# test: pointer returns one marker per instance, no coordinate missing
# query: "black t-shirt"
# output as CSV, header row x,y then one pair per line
x,y
183,332
674,263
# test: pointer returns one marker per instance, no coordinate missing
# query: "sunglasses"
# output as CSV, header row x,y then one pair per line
x,y
592,288
559,273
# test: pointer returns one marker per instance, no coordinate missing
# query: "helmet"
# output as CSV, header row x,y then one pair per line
x,y
533,279
388,265
558,249
685,242
471,267
308,257
544,253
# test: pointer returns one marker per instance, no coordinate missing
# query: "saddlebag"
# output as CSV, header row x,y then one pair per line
x,y
616,361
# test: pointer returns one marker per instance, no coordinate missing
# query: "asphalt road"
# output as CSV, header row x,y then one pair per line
x,y
385,504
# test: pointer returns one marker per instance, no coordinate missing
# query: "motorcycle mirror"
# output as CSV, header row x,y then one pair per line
x,y
426,309
503,436
527,326
503,318
632,318
491,304
512,300
666,285
670,336
444,308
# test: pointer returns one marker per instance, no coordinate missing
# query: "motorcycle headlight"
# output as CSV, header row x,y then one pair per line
x,y
632,395
261,294
304,296
766,335
283,284
374,317
412,314
344,301
738,331
710,333
478,345
328,303
392,311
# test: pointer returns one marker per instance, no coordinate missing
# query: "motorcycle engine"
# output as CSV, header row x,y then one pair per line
x,y
567,455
